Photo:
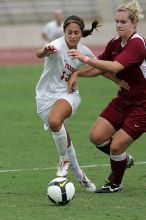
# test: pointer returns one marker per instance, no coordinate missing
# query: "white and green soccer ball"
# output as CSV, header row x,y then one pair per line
x,y
60,191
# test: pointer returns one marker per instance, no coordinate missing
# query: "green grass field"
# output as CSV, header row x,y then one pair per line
x,y
28,156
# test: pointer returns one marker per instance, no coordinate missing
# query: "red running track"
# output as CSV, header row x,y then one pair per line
x,y
27,55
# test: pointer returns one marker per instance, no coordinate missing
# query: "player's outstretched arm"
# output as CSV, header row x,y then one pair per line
x,y
46,51
104,65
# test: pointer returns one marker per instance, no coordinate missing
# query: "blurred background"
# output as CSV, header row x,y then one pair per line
x,y
22,21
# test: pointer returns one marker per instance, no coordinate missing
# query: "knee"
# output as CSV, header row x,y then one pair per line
x,y
96,138
54,125
115,148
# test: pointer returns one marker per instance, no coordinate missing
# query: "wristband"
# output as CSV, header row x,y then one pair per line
x,y
85,59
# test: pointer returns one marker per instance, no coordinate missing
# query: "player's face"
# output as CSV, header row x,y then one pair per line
x,y
73,35
124,26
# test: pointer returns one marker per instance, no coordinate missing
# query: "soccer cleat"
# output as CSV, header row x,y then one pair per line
x,y
87,184
63,168
109,188
130,163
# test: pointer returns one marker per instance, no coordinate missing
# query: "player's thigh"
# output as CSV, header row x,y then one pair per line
x,y
60,110
101,130
65,106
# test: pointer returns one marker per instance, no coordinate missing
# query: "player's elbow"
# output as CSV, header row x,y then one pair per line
x,y
38,54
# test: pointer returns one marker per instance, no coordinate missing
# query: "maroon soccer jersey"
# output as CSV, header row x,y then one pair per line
x,y
133,57
128,109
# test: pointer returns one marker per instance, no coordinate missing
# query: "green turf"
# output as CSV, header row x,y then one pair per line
x,y
25,146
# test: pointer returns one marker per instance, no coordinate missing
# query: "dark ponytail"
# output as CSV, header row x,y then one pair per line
x,y
95,25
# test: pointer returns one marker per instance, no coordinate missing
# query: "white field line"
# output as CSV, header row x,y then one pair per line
x,y
54,168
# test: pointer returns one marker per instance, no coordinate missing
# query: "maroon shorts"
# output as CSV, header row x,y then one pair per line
x,y
128,115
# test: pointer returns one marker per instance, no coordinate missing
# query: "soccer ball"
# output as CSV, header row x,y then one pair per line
x,y
60,191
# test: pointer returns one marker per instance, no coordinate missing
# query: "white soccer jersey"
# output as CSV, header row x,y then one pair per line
x,y
53,30
57,69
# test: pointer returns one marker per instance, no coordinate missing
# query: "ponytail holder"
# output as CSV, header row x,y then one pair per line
x,y
85,59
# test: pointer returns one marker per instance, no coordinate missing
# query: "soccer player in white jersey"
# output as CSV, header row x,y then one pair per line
x,y
54,29
54,103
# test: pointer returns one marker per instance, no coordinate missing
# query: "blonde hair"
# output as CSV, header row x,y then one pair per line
x,y
134,9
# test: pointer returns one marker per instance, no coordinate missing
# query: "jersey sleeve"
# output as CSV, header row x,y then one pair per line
x,y
134,52
87,52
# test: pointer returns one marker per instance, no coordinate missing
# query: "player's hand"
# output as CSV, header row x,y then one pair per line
x,y
46,51
72,83
50,49
76,54
124,84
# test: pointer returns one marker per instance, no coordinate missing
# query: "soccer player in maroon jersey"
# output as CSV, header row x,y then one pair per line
x,y
124,118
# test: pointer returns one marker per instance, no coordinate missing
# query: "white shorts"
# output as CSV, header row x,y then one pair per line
x,y
72,98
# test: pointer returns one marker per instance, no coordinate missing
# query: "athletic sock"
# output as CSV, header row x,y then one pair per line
x,y
118,166
105,147
74,162
60,139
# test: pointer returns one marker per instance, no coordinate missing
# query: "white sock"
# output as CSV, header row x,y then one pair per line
x,y
60,139
119,157
74,163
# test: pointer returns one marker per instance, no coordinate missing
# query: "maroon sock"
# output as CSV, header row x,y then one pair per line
x,y
106,148
118,169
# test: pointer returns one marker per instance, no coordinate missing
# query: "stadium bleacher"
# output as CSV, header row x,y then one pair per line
x,y
21,21
36,11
